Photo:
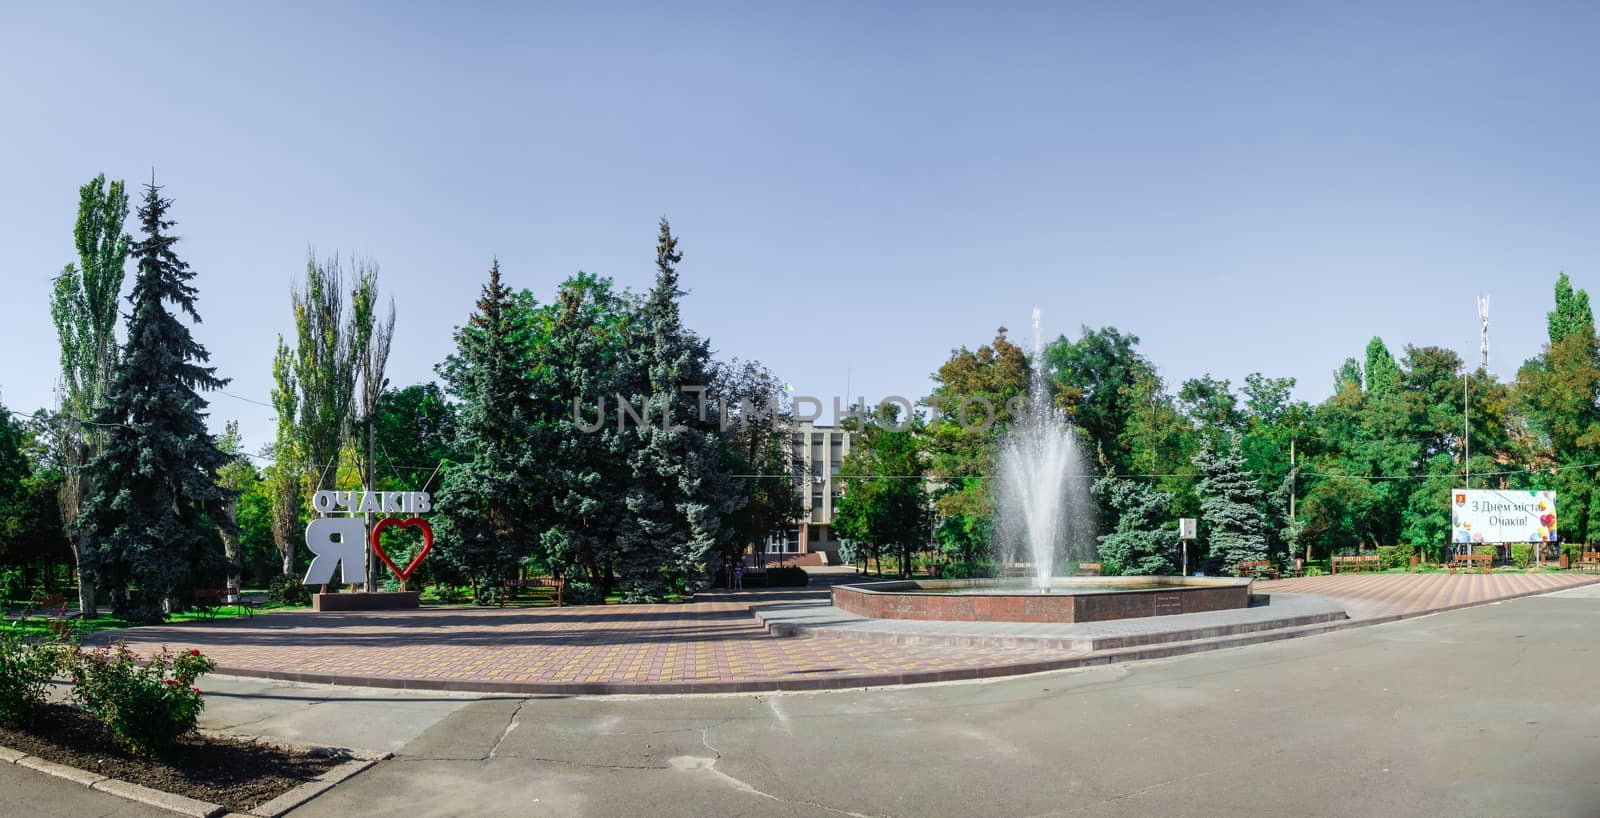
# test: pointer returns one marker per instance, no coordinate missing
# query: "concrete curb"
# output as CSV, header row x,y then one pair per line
x,y
782,629
183,805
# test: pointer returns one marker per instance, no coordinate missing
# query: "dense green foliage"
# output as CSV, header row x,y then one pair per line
x,y
145,526
146,704
596,437
26,669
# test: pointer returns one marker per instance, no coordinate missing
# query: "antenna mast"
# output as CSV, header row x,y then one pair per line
x,y
1483,322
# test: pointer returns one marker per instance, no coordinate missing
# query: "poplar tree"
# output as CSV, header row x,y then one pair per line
x,y
1383,374
145,517
84,309
284,476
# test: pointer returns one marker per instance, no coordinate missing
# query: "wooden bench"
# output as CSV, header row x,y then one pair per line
x,y
1017,569
210,600
54,605
1088,569
1257,569
1469,561
557,585
1588,562
1364,562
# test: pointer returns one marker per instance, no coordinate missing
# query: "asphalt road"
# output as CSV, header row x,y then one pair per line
x,y
1489,711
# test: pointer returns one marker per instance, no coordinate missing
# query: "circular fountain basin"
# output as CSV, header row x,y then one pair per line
x,y
1069,599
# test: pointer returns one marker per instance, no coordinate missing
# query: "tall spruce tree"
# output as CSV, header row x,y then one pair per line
x,y
486,504
680,495
145,517
584,363
1230,503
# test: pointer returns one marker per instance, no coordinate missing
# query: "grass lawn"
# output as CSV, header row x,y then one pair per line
x,y
81,626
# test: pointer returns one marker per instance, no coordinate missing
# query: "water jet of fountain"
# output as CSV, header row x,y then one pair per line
x,y
1043,507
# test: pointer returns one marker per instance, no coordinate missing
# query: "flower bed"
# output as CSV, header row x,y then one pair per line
x,y
236,773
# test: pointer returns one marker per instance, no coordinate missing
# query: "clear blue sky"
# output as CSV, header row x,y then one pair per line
x,y
859,188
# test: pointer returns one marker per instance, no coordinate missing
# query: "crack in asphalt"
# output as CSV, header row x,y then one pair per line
x,y
511,724
690,763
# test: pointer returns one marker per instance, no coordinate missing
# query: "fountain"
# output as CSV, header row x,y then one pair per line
x,y
1044,516
1042,499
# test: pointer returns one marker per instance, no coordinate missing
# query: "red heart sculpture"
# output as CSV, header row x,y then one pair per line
x,y
414,522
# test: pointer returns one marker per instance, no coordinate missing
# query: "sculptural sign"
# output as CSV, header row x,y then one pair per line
x,y
341,541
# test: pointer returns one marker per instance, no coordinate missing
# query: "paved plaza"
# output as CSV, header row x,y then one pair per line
x,y
720,644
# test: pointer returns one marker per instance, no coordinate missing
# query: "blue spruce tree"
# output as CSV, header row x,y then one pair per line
x,y
149,538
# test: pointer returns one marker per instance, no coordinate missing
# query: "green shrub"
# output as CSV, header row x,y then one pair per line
x,y
1491,550
1574,552
1395,556
286,590
452,594
582,593
25,671
791,576
1522,555
146,708
969,570
1314,571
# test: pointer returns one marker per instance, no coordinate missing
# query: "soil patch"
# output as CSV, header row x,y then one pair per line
x,y
232,772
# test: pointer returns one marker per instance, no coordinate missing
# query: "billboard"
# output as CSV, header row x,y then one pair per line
x,y
1490,516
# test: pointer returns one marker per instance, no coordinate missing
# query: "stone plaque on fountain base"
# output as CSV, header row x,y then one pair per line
x,y
378,601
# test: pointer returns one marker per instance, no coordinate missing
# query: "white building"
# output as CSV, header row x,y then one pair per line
x,y
818,452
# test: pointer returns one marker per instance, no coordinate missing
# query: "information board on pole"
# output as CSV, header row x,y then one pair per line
x,y
1490,516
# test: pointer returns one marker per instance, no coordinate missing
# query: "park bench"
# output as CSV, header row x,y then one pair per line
x,y
207,601
54,605
1470,561
1589,562
1364,562
1017,569
1258,569
554,584
1088,569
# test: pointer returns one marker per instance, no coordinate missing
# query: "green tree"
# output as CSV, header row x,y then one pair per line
x,y
681,495
1230,504
329,348
152,486
583,365
1090,374
1383,374
415,430
757,433
84,309
486,501
373,336
285,475
973,403
235,477
885,503
1572,313
1142,541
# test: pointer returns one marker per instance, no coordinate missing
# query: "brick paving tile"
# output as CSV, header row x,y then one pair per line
x,y
1374,595
714,640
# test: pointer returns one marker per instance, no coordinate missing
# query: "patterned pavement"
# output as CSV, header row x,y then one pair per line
x,y
1374,595
709,645
713,645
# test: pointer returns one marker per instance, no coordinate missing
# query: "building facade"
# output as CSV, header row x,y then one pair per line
x,y
818,453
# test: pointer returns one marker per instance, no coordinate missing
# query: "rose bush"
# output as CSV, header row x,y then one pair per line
x,y
147,708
